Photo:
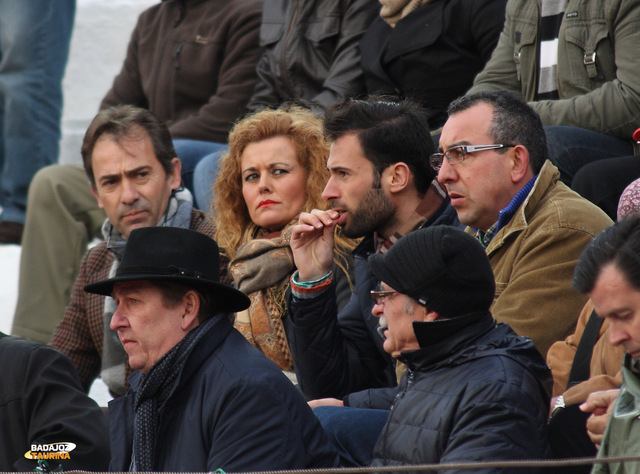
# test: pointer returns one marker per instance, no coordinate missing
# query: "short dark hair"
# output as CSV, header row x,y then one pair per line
x,y
389,132
514,123
172,294
121,121
618,245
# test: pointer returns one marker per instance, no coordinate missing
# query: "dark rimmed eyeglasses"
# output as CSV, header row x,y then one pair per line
x,y
378,296
457,154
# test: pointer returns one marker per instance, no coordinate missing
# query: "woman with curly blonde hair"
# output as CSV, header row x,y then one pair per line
x,y
274,170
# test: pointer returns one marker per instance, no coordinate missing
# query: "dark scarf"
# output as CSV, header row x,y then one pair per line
x,y
155,388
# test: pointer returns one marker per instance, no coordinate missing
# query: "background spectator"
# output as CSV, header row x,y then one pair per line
x,y
583,83
34,46
310,57
192,62
430,51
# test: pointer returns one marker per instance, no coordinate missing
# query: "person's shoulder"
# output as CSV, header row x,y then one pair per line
x,y
201,222
238,363
505,351
23,351
517,6
151,14
552,206
244,7
18,347
572,212
248,3
96,258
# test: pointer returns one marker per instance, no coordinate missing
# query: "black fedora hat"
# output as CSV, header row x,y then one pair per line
x,y
176,255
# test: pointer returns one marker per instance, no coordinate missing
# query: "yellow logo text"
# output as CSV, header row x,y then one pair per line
x,y
50,451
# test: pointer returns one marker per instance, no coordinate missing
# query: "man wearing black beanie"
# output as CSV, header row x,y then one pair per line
x,y
474,390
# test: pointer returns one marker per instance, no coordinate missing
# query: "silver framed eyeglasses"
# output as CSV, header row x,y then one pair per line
x,y
457,154
378,296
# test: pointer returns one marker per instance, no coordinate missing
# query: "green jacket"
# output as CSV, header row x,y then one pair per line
x,y
622,436
598,61
533,258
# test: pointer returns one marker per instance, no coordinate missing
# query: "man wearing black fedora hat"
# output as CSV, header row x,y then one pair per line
x,y
202,397
473,389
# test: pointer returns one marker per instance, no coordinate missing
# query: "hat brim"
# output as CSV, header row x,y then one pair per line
x,y
227,299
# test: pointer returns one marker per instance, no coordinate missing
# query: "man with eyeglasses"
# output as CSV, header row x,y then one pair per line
x,y
575,62
493,162
473,390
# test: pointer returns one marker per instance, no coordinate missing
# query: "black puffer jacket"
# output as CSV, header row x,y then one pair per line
x,y
311,51
474,391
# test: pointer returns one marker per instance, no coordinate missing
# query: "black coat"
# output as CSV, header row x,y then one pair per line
x,y
474,392
42,402
231,409
434,53
339,352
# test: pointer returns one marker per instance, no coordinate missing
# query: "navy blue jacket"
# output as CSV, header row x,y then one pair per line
x,y
473,392
231,409
336,353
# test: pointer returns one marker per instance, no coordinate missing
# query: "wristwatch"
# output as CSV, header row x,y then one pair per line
x,y
558,406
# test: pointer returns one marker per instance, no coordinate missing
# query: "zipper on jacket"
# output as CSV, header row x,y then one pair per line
x,y
398,397
176,56
401,394
181,14
283,62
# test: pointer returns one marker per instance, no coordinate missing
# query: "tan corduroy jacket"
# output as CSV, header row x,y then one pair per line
x,y
533,258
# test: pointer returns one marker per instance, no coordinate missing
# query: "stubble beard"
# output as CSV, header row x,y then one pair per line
x,y
373,213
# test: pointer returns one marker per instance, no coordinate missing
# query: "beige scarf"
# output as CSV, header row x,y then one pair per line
x,y
393,10
261,270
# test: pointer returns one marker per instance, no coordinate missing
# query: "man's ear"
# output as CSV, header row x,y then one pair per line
x,y
425,314
191,302
519,162
175,176
431,315
94,191
398,177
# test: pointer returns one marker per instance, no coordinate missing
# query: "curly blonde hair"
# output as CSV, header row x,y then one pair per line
x,y
233,223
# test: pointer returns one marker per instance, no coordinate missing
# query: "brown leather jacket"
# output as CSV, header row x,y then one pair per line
x,y
604,371
192,63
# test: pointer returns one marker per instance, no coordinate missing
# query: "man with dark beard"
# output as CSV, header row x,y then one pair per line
x,y
380,188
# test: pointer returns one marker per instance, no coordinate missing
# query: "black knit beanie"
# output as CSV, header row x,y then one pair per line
x,y
441,267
